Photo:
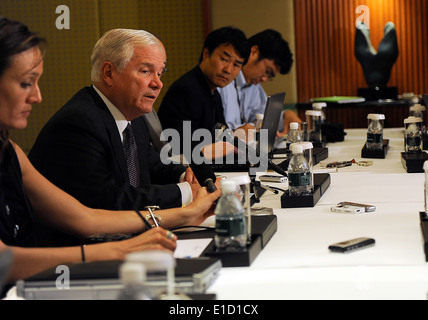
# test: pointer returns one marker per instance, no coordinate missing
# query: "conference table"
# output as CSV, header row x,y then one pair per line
x,y
297,264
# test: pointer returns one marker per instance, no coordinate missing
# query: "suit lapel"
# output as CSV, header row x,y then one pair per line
x,y
112,133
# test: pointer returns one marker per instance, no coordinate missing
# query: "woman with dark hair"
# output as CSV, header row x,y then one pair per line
x,y
25,195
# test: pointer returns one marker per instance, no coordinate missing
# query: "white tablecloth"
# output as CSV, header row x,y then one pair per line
x,y
297,264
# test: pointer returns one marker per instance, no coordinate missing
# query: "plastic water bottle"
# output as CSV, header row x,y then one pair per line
x,y
133,276
319,106
413,135
230,228
299,173
419,111
162,263
375,131
293,134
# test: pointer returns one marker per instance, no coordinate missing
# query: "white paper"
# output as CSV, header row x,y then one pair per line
x,y
191,248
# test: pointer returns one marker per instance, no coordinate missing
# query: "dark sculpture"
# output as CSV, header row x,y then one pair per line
x,y
376,65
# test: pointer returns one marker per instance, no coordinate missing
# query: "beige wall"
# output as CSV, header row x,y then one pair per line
x,y
253,16
179,23
67,62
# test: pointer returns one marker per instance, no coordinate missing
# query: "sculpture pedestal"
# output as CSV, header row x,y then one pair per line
x,y
378,93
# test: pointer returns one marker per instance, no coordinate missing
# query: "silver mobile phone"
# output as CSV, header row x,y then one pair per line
x,y
272,178
347,209
367,207
353,244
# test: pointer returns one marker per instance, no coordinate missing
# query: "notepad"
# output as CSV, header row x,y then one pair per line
x,y
191,248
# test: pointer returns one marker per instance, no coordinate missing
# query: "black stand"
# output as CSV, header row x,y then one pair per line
x,y
321,183
376,154
413,162
262,230
319,154
425,141
424,229
377,93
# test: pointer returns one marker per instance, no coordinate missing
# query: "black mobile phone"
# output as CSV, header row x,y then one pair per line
x,y
353,244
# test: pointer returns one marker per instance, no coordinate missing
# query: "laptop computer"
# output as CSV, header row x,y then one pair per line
x,y
99,280
274,107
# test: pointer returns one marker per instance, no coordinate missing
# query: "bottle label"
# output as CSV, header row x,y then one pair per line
x,y
413,141
230,226
299,179
374,137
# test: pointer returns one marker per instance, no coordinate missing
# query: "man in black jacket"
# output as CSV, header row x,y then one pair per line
x,y
193,99
81,148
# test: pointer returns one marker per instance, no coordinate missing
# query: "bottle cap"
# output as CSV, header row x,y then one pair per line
x,y
239,178
294,125
417,107
132,272
412,119
297,148
259,116
227,185
319,105
153,260
375,116
305,145
313,113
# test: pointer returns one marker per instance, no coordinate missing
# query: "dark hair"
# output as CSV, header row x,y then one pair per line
x,y
227,35
15,38
273,47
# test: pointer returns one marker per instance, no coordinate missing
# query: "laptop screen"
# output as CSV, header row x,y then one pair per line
x,y
274,107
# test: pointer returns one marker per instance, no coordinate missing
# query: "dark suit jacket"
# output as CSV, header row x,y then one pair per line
x,y
80,151
190,99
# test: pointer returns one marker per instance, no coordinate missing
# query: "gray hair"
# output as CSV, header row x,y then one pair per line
x,y
117,46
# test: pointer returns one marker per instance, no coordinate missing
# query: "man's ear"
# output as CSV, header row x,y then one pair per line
x,y
107,72
205,53
255,52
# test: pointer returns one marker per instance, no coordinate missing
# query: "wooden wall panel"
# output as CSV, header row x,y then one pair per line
x,y
325,35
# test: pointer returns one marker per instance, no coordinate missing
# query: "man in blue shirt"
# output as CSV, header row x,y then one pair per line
x,y
244,97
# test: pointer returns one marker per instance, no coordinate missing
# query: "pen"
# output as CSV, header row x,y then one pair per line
x,y
277,189
269,188
153,217
327,170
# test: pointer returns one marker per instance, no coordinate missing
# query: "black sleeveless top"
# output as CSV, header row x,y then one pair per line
x,y
16,214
